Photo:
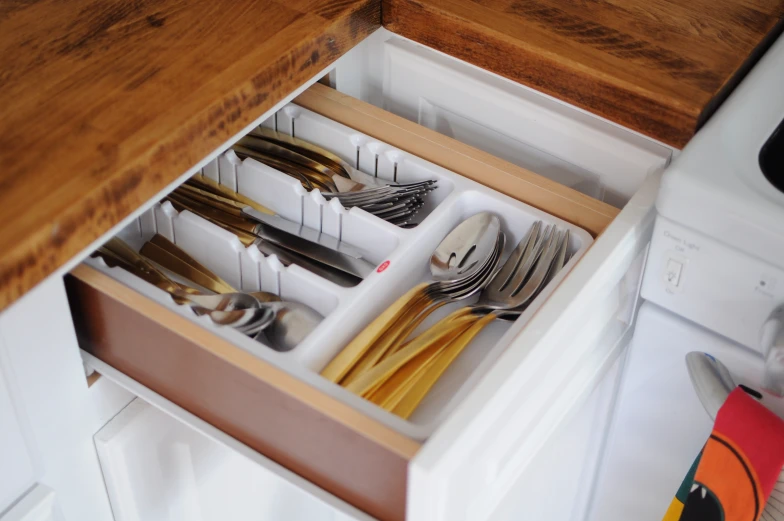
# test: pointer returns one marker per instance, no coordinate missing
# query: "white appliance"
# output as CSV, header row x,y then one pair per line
x,y
713,282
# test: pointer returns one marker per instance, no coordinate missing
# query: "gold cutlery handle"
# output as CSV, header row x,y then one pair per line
x,y
175,264
207,184
380,373
116,250
209,212
393,337
391,392
433,372
351,354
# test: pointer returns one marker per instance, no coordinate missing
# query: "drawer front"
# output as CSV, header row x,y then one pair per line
x,y
558,483
465,469
480,450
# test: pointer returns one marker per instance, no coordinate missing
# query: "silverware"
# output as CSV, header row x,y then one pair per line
x,y
303,232
310,243
262,235
207,185
238,310
424,359
460,265
293,321
315,167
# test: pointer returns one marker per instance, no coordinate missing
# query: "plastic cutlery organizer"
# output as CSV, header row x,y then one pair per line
x,y
402,257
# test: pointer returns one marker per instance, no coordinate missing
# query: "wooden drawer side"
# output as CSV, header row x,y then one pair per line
x,y
322,440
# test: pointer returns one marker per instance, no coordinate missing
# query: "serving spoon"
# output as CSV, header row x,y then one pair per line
x,y
460,265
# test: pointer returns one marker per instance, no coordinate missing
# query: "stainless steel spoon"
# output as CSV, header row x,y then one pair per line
x,y
293,321
461,264
222,309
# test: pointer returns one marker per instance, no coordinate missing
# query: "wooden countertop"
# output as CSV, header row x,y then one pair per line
x,y
106,102
652,65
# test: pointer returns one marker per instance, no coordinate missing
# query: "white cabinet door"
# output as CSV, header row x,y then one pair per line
x,y
157,468
37,505
45,400
17,472
558,483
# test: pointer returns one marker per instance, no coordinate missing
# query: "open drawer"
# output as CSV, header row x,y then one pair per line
x,y
457,467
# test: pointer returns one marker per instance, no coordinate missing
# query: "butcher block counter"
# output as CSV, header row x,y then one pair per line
x,y
106,102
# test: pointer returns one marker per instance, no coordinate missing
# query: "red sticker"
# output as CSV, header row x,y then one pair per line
x,y
384,265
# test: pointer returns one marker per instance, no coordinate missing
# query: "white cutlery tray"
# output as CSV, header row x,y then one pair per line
x,y
402,257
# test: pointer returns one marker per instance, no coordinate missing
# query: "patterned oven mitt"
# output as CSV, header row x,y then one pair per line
x,y
738,468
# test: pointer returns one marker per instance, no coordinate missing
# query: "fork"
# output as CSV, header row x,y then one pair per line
x,y
522,276
413,391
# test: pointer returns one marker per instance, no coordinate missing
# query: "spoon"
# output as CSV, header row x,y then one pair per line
x,y
183,295
460,265
293,321
222,310
521,278
509,290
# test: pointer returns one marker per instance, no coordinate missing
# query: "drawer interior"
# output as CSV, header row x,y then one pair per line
x,y
405,253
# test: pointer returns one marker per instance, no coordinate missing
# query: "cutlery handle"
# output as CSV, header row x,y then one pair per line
x,y
391,392
396,391
415,367
176,264
205,183
167,245
385,369
138,265
210,213
430,376
394,336
345,360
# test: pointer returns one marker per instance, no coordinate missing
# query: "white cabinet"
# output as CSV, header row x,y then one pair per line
x,y
510,121
39,504
48,413
160,469
15,459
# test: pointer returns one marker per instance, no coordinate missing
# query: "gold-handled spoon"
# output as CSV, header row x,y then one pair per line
x,y
460,265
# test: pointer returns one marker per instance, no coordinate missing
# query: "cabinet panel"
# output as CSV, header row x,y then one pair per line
x,y
17,472
159,469
515,123
37,505
58,412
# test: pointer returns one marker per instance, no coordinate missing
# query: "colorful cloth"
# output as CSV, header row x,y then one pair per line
x,y
735,473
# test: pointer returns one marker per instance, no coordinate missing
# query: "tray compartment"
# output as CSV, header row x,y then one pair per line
x,y
348,310
363,152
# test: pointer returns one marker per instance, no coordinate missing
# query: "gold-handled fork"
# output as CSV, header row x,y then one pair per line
x,y
418,364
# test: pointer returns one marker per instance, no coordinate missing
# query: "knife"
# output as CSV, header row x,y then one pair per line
x,y
311,243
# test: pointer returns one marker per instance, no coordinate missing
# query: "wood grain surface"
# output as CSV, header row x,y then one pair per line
x,y
312,434
651,65
105,102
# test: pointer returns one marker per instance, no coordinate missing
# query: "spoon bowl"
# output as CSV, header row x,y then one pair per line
x,y
292,323
464,251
